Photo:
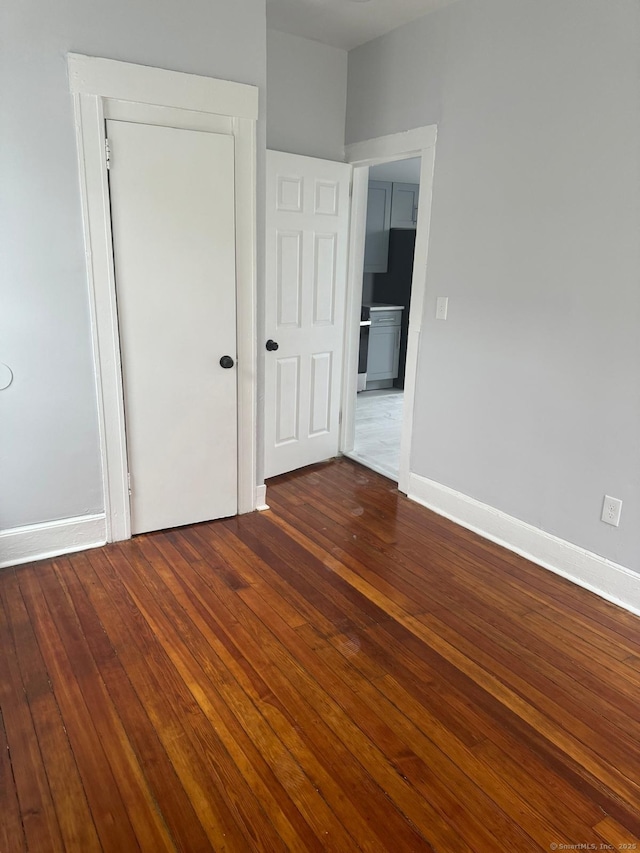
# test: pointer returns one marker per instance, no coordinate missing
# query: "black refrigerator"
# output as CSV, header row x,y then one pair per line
x,y
394,286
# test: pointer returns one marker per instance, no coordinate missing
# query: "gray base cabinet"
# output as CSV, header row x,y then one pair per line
x,y
384,346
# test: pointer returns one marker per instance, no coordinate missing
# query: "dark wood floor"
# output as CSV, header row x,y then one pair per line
x,y
347,671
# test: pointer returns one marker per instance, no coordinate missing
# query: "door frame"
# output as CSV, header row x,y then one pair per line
x,y
418,142
105,88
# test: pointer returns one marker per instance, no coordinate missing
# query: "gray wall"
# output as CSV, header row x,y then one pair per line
x,y
49,451
528,396
306,96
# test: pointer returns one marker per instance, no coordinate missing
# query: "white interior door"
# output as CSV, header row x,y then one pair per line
x,y
173,222
307,237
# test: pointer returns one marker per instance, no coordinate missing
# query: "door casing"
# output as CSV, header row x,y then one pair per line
x,y
419,142
104,88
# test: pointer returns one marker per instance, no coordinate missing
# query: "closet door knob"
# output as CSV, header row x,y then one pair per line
x,y
226,361
272,346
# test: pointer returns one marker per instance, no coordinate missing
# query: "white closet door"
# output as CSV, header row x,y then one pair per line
x,y
173,222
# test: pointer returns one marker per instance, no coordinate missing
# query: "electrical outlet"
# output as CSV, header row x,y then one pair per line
x,y
611,510
442,304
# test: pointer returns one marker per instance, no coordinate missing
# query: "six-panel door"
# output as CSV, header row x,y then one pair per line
x,y
307,233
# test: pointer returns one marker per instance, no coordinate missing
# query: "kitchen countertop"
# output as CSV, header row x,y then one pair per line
x,y
382,306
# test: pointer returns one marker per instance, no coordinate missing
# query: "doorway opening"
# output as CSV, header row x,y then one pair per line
x,y
390,236
384,400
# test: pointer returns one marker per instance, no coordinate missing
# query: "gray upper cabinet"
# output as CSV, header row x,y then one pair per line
x,y
404,205
376,247
389,205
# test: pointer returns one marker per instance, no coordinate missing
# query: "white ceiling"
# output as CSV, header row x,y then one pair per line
x,y
345,23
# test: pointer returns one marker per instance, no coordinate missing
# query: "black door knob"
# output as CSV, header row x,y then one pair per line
x,y
272,346
226,361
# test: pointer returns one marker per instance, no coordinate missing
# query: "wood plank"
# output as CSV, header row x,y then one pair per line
x,y
542,775
512,699
403,740
141,726
69,683
504,724
193,735
37,811
596,658
388,826
76,824
147,823
215,545
316,699
548,792
312,754
430,711
562,674
349,717
11,829
359,574
616,836
342,605
399,562
201,666
587,736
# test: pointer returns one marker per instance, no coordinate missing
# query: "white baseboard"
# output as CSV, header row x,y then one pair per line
x,y
609,580
51,539
261,498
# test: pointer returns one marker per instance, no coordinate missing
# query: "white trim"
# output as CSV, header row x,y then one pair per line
x,y
355,268
99,86
52,538
94,193
416,312
605,578
166,116
261,498
92,75
246,310
395,146
418,142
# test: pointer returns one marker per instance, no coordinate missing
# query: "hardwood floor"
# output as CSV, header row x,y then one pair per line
x,y
346,671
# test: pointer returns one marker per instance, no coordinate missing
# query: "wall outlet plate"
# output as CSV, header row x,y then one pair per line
x,y
611,509
442,305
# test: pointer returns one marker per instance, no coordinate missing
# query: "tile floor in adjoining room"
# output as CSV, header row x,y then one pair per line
x,y
378,430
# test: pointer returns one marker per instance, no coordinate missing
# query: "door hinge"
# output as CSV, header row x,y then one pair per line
x,y
107,153
340,418
129,482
